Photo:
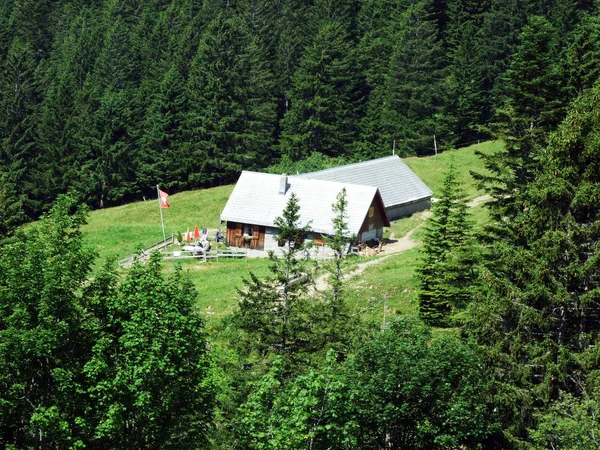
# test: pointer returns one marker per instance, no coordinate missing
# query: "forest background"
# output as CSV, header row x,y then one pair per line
x,y
111,98
106,99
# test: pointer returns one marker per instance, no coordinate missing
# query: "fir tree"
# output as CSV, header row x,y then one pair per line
x,y
325,104
536,318
415,109
447,272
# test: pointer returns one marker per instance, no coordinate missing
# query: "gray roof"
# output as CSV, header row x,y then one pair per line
x,y
397,184
256,200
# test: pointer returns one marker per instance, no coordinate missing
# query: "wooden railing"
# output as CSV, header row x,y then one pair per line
x,y
145,253
214,254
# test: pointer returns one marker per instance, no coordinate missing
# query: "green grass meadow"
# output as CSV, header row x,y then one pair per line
x,y
121,231
431,169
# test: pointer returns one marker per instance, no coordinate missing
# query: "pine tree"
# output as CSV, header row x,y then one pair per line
x,y
536,318
325,104
415,109
534,106
272,310
447,272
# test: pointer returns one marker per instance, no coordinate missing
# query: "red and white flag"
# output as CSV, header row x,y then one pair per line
x,y
163,199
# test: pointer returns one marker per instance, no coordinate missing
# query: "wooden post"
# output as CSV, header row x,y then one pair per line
x,y
161,214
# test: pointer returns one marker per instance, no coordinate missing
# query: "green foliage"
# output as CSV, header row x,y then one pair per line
x,y
307,412
535,314
96,363
148,369
403,389
273,310
313,163
411,390
43,332
569,423
448,271
110,98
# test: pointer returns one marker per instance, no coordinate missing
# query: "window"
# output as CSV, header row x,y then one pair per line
x,y
371,211
248,231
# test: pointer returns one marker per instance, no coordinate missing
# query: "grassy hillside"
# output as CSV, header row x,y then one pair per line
x,y
431,168
122,230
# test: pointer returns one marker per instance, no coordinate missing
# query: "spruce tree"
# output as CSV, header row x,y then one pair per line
x,y
377,23
259,101
536,318
325,103
162,159
534,106
463,39
19,104
273,310
416,105
447,272
583,55
213,142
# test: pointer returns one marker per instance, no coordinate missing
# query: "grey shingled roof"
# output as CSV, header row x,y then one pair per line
x,y
256,200
397,184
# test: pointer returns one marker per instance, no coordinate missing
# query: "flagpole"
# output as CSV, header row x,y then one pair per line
x,y
161,214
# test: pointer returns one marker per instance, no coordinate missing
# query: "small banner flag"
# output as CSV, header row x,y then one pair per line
x,y
196,233
163,199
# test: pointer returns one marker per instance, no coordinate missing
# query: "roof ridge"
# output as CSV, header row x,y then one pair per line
x,y
367,162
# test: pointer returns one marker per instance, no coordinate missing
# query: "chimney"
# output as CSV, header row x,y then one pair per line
x,y
283,184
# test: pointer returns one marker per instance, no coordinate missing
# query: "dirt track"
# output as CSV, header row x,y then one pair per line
x,y
389,248
392,247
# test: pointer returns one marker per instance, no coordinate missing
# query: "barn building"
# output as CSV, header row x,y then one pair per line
x,y
402,191
259,198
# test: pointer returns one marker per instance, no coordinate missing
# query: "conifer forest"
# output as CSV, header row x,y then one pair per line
x,y
101,100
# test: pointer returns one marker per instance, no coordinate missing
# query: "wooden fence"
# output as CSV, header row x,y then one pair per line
x,y
215,254
145,253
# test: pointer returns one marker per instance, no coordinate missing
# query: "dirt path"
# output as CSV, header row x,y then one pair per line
x,y
392,247
479,200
